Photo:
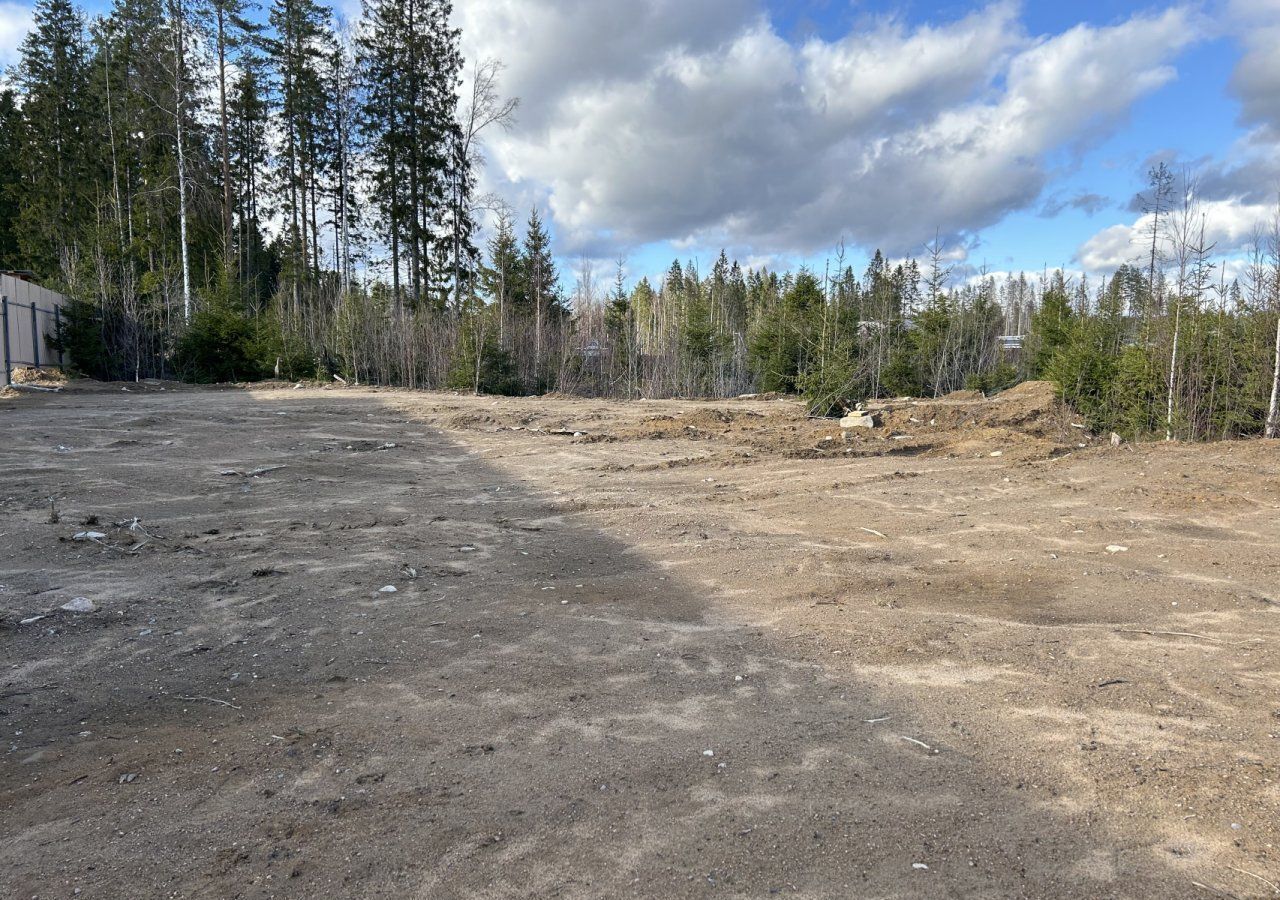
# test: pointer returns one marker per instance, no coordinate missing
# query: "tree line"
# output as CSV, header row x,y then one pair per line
x,y
229,192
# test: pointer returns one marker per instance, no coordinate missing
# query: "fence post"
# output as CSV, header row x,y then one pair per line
x,y
35,335
4,326
57,330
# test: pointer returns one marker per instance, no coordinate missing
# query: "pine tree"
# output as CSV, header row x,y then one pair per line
x,y
409,64
498,279
52,77
10,178
299,44
540,286
235,37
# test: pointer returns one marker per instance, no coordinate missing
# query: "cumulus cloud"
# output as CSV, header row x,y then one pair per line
x,y
1239,190
1256,80
655,121
1230,226
1088,203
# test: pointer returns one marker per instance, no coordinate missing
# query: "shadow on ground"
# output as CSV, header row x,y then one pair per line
x,y
535,711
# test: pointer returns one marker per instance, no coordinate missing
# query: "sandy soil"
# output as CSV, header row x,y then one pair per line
x,y
652,649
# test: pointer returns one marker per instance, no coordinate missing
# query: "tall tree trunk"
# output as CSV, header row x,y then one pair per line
x,y
178,25
1273,410
227,257
1173,366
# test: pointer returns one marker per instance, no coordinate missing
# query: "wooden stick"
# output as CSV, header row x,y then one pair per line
x,y
208,699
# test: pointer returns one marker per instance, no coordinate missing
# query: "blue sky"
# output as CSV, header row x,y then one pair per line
x,y
1020,131
1107,170
657,129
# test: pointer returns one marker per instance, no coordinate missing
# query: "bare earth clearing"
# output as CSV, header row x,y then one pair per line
x,y
654,649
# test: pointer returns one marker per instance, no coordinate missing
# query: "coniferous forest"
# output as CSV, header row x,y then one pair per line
x,y
231,193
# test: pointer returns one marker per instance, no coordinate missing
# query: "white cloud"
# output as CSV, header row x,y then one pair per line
x,y
15,22
1229,227
1112,247
660,120
1256,80
1238,191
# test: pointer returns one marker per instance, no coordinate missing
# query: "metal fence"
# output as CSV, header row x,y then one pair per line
x,y
29,320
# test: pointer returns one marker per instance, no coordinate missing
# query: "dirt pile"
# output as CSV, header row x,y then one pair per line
x,y
39,377
707,423
1031,407
1028,420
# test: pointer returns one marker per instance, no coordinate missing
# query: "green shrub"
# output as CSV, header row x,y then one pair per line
x,y
479,363
219,345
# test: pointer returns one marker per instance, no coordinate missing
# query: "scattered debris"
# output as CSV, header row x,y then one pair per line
x,y
1187,634
873,531
128,778
31,619
859,419
262,470
1275,888
205,700
88,536
912,740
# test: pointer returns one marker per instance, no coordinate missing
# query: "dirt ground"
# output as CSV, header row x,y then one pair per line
x,y
652,649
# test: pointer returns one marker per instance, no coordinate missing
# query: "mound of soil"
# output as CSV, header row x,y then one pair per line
x,y
39,377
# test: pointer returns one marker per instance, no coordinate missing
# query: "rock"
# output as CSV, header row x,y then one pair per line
x,y
79,605
387,589
859,419
1116,440
129,778
1117,548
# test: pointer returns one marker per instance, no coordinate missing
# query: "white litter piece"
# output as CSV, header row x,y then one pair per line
x,y
388,589
1117,548
88,536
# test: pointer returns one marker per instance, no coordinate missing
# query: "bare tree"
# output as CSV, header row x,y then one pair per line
x,y
1194,274
1156,205
1273,296
484,108
178,25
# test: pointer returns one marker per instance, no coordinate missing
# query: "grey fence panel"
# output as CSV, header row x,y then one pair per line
x,y
29,317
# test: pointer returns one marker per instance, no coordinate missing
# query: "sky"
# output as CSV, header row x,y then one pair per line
x,y
1017,133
